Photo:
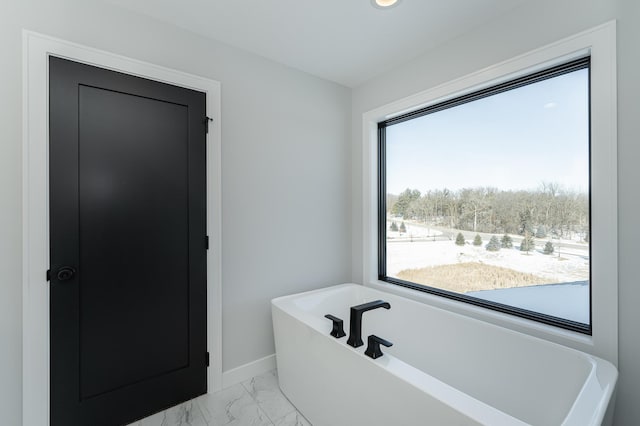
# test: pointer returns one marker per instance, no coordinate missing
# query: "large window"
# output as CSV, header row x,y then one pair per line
x,y
485,198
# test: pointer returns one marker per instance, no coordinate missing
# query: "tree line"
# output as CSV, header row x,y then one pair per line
x,y
549,210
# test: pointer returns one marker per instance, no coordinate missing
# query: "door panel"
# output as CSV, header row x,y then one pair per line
x,y
127,213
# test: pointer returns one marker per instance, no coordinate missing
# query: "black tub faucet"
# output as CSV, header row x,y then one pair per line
x,y
355,323
337,330
373,346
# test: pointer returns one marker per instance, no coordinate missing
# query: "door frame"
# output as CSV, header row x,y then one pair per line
x,y
35,207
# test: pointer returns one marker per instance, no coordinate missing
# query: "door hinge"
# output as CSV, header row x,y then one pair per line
x,y
207,359
48,274
206,123
206,242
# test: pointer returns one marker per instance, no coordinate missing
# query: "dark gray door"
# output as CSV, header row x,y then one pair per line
x,y
128,253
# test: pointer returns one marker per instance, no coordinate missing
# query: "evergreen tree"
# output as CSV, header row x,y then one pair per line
x,y
548,248
394,227
493,244
477,241
541,232
402,227
460,239
507,241
525,222
527,243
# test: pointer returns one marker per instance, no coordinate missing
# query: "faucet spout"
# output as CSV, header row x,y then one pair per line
x,y
355,320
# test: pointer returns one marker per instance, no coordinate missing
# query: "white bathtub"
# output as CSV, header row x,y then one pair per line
x,y
443,368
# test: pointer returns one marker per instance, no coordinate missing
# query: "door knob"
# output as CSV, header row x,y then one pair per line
x,y
65,273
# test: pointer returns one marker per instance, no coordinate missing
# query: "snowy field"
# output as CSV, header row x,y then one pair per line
x,y
568,266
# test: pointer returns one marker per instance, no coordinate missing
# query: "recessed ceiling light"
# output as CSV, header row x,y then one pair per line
x,y
384,4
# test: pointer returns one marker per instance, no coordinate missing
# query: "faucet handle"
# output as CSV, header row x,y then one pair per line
x,y
338,330
373,346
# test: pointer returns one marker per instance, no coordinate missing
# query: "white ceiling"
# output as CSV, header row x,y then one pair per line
x,y
345,41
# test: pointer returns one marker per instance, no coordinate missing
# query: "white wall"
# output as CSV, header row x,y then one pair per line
x,y
628,407
530,26
286,171
287,182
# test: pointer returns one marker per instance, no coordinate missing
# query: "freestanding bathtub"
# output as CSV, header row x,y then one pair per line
x,y
443,368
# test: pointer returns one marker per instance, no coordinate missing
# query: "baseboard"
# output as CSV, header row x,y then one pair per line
x,y
248,370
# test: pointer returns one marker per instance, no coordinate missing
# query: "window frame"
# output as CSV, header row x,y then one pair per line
x,y
577,64
600,44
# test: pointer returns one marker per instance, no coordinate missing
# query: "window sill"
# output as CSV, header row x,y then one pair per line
x,y
558,335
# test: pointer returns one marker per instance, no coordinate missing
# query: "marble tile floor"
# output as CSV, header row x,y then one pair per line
x,y
256,402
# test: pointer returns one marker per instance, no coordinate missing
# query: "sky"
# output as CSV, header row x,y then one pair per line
x,y
510,141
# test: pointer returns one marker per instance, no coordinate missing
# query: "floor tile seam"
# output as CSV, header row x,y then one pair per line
x,y
260,409
254,398
295,410
303,416
264,413
197,404
257,404
247,390
211,410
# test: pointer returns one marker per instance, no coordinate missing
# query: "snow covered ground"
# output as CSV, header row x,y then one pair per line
x,y
568,266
